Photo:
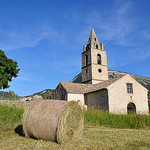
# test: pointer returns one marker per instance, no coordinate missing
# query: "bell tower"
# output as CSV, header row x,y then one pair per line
x,y
94,61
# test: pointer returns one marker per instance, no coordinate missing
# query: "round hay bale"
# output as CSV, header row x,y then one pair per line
x,y
53,120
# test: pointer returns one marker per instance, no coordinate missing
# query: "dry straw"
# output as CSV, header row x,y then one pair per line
x,y
53,120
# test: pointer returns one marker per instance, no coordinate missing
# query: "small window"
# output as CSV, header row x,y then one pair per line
x,y
129,87
86,71
98,59
86,60
96,46
95,39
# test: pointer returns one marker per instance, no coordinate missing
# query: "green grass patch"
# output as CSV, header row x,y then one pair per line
x,y
99,117
9,116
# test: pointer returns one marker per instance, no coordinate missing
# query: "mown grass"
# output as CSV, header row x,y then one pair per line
x,y
99,117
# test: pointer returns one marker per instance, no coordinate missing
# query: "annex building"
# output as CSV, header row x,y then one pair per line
x,y
119,95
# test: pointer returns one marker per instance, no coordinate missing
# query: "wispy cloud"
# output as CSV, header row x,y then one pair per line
x,y
26,36
27,77
14,40
134,55
116,26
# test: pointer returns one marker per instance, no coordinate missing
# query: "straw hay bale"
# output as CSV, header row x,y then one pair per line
x,y
83,106
53,120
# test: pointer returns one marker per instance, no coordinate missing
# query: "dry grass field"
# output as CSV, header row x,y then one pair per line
x,y
93,138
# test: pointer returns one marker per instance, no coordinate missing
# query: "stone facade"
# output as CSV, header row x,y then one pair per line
x,y
59,93
115,97
119,98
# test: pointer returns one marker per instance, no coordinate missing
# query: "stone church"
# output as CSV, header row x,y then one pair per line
x,y
120,95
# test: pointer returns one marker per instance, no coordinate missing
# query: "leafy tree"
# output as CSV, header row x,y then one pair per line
x,y
8,70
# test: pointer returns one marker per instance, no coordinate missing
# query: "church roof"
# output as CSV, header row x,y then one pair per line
x,y
75,87
87,88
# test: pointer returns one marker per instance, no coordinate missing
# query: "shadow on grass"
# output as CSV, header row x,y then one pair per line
x,y
19,130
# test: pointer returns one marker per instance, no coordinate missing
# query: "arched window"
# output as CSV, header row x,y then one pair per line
x,y
88,47
98,59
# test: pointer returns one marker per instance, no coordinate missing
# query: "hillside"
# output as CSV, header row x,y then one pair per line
x,y
8,95
45,94
39,95
145,81
4,95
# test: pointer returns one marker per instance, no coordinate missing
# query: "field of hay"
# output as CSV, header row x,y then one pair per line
x,y
95,135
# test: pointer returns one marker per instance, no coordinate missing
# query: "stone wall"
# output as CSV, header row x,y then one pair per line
x,y
75,97
98,99
59,93
86,68
99,76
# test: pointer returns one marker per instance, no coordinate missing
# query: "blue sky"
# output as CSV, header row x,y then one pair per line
x,y
46,38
